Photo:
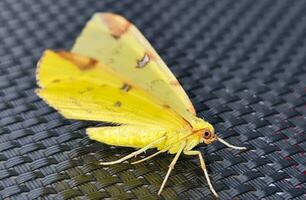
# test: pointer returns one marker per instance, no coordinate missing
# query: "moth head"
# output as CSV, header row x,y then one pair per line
x,y
208,133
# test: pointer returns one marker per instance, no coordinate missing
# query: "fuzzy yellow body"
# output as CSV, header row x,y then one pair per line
x,y
140,136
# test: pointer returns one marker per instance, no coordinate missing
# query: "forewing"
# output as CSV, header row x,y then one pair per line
x,y
117,43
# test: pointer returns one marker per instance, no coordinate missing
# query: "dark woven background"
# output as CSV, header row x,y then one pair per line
x,y
243,63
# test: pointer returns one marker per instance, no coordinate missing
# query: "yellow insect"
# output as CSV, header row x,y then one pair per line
x,y
113,74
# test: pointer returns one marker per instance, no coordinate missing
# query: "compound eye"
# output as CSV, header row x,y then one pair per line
x,y
207,135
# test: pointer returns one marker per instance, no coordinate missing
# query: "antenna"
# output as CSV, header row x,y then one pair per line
x,y
230,145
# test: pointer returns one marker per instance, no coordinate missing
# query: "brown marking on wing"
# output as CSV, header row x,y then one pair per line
x,y
141,63
126,87
89,65
87,89
151,55
56,81
166,106
118,104
191,109
82,62
175,83
116,24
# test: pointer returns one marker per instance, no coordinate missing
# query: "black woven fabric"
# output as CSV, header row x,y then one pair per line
x,y
243,63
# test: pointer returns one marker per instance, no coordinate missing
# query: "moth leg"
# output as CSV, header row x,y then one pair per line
x,y
149,157
203,166
171,167
135,153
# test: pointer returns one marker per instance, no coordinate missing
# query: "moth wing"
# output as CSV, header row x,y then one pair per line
x,y
117,43
82,89
57,66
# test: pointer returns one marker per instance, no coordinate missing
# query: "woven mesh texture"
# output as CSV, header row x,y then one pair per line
x,y
243,64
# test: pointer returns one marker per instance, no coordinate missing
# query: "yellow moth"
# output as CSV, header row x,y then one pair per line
x,y
113,74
